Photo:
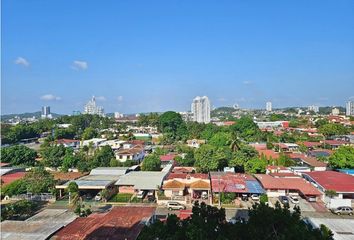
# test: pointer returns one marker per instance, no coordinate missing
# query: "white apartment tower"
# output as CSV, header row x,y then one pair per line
x,y
269,106
92,108
46,112
201,109
349,108
314,108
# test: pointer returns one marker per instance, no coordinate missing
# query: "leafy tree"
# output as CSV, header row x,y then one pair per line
x,y
128,163
19,210
171,123
205,160
151,163
285,160
69,160
114,163
74,196
39,180
321,122
53,155
89,133
195,129
331,193
209,131
242,156
20,131
246,129
256,165
15,188
18,155
102,157
220,139
331,129
343,157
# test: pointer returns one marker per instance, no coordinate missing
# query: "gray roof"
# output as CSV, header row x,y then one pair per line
x,y
341,228
40,226
109,171
143,180
92,181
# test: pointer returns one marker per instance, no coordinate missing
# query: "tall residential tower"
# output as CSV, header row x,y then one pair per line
x,y
269,106
349,108
201,109
92,108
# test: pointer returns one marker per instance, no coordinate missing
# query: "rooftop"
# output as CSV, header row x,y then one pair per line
x,y
331,180
341,228
121,223
298,184
146,180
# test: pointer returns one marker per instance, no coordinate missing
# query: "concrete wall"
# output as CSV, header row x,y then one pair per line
x,y
126,189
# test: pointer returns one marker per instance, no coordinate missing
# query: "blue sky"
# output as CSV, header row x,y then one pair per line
x,y
141,56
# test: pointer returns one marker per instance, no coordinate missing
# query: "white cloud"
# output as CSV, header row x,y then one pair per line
x,y
120,98
22,61
79,65
222,99
101,98
50,97
247,82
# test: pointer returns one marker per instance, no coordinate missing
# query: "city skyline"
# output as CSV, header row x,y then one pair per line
x,y
232,52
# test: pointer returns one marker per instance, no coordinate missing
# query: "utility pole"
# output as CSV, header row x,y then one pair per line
x,y
219,191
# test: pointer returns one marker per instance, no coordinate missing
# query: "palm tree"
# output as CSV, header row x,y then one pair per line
x,y
235,142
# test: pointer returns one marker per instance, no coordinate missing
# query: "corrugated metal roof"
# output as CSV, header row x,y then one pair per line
x,y
146,180
109,171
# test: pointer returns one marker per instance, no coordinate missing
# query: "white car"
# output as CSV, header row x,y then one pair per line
x,y
294,199
141,194
98,197
255,197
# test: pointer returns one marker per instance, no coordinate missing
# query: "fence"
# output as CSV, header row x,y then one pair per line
x,y
34,197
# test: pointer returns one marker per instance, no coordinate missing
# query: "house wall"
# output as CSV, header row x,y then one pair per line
x,y
126,189
169,192
275,193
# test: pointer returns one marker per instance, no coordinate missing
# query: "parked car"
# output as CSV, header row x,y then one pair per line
x,y
141,194
294,199
342,210
204,195
255,197
244,197
175,206
151,196
98,197
284,200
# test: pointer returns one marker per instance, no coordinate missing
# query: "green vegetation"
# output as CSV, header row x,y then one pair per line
x,y
332,129
342,158
172,126
18,155
19,210
151,163
208,222
121,197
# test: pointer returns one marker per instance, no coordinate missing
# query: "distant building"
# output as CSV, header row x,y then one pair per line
x,y
118,115
92,108
46,112
76,113
201,109
314,108
349,108
269,106
335,111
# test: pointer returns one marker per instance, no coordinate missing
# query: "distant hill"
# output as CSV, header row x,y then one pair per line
x,y
6,117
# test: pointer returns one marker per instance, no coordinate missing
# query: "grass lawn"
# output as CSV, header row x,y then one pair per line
x,y
121,197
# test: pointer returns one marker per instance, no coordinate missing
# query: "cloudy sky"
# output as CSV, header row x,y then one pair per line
x,y
140,56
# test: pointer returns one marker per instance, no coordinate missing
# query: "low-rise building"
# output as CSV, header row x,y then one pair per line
x,y
195,143
135,153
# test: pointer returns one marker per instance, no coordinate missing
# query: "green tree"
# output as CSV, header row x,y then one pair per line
x,y
69,160
39,180
18,155
245,128
171,123
331,129
343,157
74,196
53,155
102,157
220,139
89,133
151,162
205,160
256,165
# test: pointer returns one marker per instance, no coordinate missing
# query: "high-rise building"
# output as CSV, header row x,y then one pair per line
x,y
349,108
269,106
201,109
118,115
335,112
92,108
46,112
313,108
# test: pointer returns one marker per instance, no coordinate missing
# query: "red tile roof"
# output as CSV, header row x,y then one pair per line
x,y
268,154
309,160
230,182
284,174
183,169
66,141
9,178
167,157
187,175
271,167
312,144
297,184
118,224
331,180
335,142
184,214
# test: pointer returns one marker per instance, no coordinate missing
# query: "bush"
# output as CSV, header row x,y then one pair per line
x,y
121,197
227,197
263,198
19,210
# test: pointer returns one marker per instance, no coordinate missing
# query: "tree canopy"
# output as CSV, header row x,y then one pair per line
x,y
208,222
343,157
151,163
18,155
332,129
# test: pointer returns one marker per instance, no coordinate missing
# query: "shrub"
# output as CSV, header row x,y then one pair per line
x,y
263,198
121,197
